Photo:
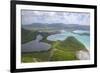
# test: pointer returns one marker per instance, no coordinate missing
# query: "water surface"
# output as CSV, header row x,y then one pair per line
x,y
85,39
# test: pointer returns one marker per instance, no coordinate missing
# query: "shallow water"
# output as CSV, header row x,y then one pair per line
x,y
85,39
36,45
81,31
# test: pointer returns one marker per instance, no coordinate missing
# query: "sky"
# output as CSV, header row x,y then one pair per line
x,y
29,17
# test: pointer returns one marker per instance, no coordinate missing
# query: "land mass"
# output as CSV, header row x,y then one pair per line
x,y
55,26
60,50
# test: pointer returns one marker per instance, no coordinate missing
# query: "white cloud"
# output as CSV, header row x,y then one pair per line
x,y
55,17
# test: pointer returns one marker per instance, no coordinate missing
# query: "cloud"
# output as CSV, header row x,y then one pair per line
x,y
29,17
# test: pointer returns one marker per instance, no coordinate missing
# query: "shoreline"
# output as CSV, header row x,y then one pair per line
x,y
83,55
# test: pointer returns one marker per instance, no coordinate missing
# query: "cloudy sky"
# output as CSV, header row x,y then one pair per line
x,y
29,17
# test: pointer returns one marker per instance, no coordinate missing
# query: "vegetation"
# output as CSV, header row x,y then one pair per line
x,y
60,54
60,50
38,56
27,35
67,49
70,44
88,34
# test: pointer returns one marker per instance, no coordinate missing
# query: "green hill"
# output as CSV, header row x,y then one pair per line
x,y
67,49
60,51
71,43
27,35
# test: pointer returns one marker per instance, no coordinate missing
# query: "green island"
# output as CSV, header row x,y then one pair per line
x,y
88,34
59,51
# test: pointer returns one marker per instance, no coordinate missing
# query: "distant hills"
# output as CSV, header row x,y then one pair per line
x,y
56,26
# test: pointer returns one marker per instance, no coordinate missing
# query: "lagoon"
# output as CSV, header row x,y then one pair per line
x,y
85,39
37,45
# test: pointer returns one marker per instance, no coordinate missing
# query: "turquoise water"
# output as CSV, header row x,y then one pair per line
x,y
81,31
85,39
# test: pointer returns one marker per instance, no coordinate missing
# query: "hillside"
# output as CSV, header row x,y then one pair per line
x,y
56,26
60,51
67,49
27,35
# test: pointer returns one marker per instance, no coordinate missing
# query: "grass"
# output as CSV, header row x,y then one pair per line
x,y
70,44
61,50
86,34
66,50
60,55
27,35
40,56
